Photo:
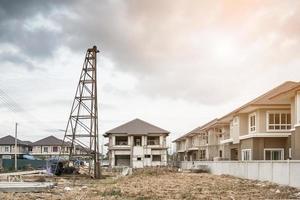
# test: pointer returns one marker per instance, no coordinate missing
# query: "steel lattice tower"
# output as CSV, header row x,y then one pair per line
x,y
82,128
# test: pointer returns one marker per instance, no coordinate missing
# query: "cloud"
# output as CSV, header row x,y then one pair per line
x,y
201,51
27,26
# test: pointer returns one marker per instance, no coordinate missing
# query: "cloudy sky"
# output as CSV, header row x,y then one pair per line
x,y
174,63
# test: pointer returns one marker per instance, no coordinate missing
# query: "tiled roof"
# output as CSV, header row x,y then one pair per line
x,y
50,140
137,126
10,140
197,130
266,98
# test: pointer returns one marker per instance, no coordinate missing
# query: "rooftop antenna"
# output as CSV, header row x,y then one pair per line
x,y
81,133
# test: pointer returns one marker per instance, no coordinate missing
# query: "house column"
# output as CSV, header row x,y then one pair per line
x,y
112,158
295,138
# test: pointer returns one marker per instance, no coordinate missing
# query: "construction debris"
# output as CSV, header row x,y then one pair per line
x,y
18,176
25,186
126,171
159,183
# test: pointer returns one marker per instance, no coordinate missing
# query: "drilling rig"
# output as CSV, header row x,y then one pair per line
x,y
81,133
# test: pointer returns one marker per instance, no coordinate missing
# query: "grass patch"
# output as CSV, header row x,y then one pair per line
x,y
112,192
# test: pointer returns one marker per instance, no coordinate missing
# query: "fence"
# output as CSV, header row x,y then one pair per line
x,y
9,164
285,172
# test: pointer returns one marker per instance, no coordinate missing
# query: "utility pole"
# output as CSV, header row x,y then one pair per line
x,y
16,146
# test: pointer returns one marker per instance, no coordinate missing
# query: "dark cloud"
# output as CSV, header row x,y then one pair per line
x,y
34,44
171,47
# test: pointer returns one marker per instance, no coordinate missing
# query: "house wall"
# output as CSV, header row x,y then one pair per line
x,y
295,143
235,130
140,156
21,149
39,150
257,146
243,124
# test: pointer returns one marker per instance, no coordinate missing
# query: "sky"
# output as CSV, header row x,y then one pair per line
x,y
174,63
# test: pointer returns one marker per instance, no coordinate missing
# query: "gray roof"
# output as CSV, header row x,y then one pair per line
x,y
10,140
50,140
137,126
28,142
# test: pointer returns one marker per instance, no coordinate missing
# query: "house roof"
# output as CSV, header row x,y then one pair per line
x,y
286,92
266,98
50,140
10,140
28,142
198,129
137,126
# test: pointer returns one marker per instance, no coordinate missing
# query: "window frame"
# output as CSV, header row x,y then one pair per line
x,y
44,149
250,154
280,112
121,142
151,140
252,129
153,158
5,149
274,149
55,149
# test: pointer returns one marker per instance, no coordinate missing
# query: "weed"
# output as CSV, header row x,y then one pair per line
x,y
112,192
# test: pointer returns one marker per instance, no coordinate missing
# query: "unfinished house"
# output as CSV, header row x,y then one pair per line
x,y
263,129
137,144
7,147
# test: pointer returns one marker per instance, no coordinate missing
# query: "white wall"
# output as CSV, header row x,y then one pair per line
x,y
285,172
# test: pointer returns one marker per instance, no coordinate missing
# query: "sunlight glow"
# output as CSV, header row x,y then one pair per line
x,y
224,48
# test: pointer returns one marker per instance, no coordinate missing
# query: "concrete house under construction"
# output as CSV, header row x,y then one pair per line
x,y
137,144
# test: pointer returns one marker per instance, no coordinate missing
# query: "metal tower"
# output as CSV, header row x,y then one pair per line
x,y
81,133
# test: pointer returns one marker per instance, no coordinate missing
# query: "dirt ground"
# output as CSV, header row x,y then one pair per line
x,y
160,184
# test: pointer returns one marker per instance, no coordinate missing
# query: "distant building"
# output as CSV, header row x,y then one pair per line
x,y
49,147
137,144
7,147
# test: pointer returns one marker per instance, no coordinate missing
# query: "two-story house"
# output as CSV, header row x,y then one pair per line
x,y
137,144
263,129
7,147
49,147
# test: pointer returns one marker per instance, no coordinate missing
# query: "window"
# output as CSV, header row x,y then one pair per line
x,y
46,149
121,140
246,154
156,157
54,149
6,149
147,156
274,154
137,140
153,140
202,154
252,123
277,121
220,154
139,158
